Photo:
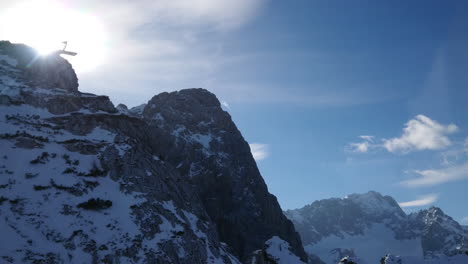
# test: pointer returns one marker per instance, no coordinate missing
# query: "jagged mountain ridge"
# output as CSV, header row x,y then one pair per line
x,y
370,225
172,181
220,160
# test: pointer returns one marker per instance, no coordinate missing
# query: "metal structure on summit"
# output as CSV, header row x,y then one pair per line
x,y
65,52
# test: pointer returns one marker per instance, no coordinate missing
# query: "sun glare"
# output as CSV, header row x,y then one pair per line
x,y
44,25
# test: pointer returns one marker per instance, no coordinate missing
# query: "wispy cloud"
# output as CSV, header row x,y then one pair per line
x,y
161,45
421,201
363,146
220,15
167,44
456,154
259,151
421,133
316,95
438,176
224,15
367,138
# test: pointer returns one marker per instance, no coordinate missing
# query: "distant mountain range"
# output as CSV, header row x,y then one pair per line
x,y
369,226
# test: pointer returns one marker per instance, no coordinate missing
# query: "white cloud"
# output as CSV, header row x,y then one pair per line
x,y
434,177
367,138
154,45
421,133
364,146
224,15
259,151
361,147
317,96
220,15
421,201
464,221
455,155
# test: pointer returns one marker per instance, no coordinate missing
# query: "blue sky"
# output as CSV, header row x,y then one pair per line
x,y
348,70
304,81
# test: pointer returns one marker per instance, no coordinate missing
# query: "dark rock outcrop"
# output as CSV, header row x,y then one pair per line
x,y
210,152
51,71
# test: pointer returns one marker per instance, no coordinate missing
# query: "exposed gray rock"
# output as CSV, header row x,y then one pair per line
x,y
440,234
48,71
5,100
44,81
210,152
53,71
137,110
123,109
65,103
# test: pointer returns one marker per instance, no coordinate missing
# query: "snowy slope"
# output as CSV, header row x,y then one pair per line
x,y
275,251
79,182
279,250
375,242
82,181
370,225
45,176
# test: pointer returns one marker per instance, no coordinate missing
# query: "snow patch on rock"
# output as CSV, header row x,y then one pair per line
x,y
279,250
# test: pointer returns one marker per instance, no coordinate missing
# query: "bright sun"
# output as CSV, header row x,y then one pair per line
x,y
44,25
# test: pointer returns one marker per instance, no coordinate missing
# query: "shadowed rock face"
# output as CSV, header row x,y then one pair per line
x,y
51,71
440,234
47,82
211,153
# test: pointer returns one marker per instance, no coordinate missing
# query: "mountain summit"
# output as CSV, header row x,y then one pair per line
x,y
172,181
370,225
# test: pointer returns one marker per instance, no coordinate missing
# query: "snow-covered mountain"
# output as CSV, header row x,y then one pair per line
x,y
171,181
369,226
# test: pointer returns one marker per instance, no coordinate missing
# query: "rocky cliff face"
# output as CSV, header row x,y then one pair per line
x,y
172,181
440,234
210,152
370,225
49,72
